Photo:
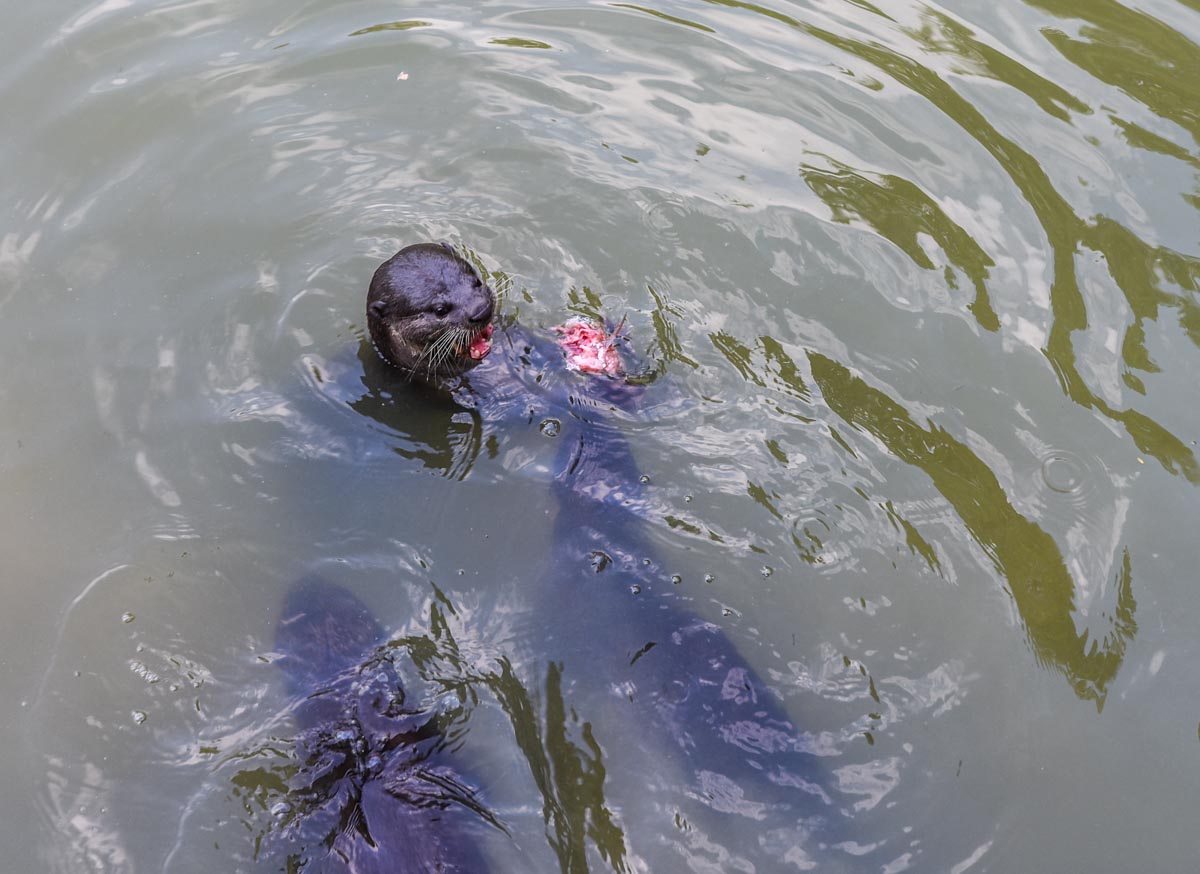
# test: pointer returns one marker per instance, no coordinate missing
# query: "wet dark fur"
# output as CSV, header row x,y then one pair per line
x,y
370,794
424,306
694,698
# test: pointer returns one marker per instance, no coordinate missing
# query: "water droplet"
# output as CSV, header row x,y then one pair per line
x,y
1062,472
766,571
644,480
139,716
550,427
687,499
635,589
709,578
676,579
127,618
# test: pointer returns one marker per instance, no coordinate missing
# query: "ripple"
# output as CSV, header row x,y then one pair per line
x,y
1071,483
1065,472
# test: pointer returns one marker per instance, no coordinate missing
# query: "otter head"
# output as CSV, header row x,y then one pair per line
x,y
429,313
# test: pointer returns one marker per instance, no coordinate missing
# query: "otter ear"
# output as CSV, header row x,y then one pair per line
x,y
378,308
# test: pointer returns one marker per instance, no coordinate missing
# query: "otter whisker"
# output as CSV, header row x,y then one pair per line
x,y
429,355
459,343
441,342
504,285
443,347
432,352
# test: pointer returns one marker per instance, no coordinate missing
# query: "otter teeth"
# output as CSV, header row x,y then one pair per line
x,y
481,344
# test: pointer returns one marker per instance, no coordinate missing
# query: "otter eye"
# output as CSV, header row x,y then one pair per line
x,y
441,310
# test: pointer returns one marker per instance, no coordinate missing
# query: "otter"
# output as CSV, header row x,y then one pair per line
x,y
371,792
695,698
429,313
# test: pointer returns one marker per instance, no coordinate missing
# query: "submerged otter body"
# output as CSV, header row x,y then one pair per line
x,y
371,793
605,611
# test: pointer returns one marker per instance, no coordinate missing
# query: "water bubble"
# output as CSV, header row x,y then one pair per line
x,y
550,427
127,617
635,589
676,579
139,716
644,480
766,571
709,578
687,499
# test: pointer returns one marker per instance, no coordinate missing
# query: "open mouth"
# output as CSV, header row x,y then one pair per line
x,y
481,344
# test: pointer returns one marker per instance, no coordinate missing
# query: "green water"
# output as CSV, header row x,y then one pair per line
x,y
923,284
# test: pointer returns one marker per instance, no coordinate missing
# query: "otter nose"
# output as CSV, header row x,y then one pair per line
x,y
481,314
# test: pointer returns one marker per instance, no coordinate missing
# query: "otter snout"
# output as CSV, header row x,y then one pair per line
x,y
481,313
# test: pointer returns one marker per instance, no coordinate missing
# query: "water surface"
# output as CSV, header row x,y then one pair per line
x,y
923,286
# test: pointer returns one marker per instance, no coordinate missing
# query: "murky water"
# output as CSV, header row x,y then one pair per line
x,y
923,286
